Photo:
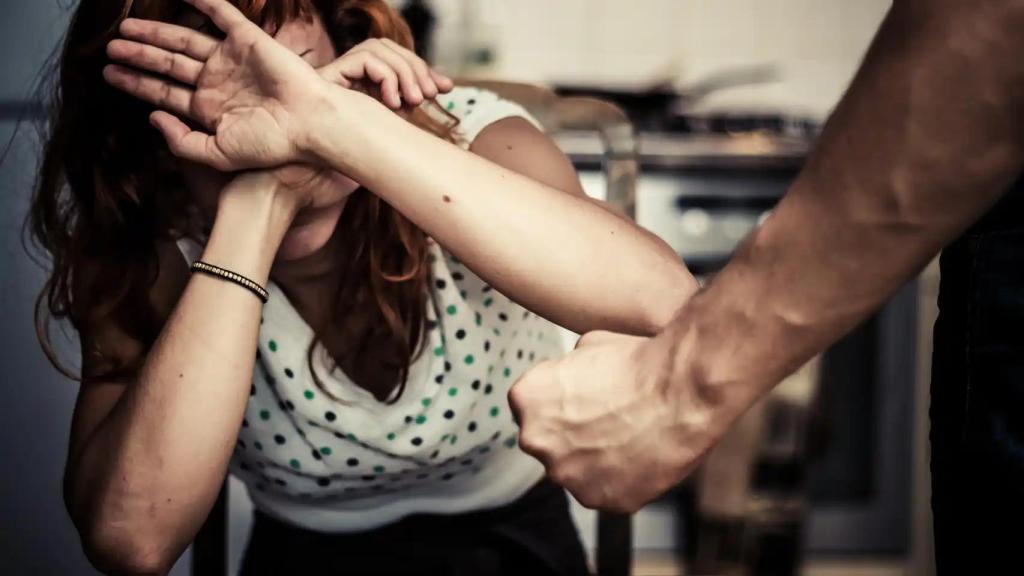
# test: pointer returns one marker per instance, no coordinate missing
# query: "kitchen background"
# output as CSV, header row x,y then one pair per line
x,y
703,79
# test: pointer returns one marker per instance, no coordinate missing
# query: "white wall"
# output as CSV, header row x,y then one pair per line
x,y
815,44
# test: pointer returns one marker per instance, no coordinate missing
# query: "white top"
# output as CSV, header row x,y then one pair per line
x,y
448,445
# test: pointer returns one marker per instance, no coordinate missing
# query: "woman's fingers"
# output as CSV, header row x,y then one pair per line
x,y
189,144
145,57
444,84
419,67
160,93
222,13
171,37
407,80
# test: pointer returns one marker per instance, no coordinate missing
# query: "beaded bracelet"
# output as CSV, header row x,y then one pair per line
x,y
200,266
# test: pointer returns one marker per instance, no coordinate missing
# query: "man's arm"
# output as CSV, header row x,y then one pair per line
x,y
929,135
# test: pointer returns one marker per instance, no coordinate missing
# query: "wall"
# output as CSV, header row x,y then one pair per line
x,y
815,45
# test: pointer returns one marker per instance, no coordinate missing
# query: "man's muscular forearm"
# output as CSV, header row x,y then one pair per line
x,y
928,137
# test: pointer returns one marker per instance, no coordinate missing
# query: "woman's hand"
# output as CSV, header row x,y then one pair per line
x,y
388,71
248,90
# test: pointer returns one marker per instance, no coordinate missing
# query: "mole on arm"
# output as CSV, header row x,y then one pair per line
x,y
447,198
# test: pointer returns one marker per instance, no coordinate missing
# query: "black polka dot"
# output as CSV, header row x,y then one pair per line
x,y
252,391
240,445
439,378
316,454
330,416
472,427
278,438
417,441
457,276
532,356
353,462
244,467
496,436
449,414
447,366
526,314
323,481
280,482
282,405
301,432
448,476
471,102
467,462
271,382
288,372
245,423
488,389
313,424
408,419
460,334
486,289
289,405
257,445
519,354
339,435
431,324
503,317
441,284
476,385
369,478
487,345
434,454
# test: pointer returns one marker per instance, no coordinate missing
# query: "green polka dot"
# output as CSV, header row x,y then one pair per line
x,y
452,309
507,372
426,402
265,414
439,351
490,369
308,394
421,419
378,469
463,293
453,440
469,359
391,436
488,302
445,437
451,105
479,319
495,411
272,345
351,436
510,442
295,464
326,450
497,332
453,391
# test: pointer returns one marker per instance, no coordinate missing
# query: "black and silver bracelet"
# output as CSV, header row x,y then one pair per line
x,y
210,269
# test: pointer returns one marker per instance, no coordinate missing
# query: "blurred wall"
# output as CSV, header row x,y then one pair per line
x,y
36,536
816,45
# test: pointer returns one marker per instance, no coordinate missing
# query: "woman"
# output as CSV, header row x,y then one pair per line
x,y
372,429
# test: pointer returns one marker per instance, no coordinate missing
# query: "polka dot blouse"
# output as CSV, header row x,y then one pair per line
x,y
447,445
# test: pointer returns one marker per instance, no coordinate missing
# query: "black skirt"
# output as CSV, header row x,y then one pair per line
x,y
534,535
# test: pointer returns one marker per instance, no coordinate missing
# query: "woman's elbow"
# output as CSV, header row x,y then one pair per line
x,y
120,549
660,310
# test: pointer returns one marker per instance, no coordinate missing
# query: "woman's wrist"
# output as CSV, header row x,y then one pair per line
x,y
252,219
334,130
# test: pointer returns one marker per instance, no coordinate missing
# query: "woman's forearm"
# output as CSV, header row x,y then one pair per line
x,y
148,475
562,256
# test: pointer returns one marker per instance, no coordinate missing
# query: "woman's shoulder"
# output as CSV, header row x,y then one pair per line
x,y
477,108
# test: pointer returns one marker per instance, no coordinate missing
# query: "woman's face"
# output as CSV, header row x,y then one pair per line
x,y
314,224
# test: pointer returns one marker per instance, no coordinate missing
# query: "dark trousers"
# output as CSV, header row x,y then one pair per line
x,y
534,535
977,404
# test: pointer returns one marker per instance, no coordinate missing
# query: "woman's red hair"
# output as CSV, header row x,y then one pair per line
x,y
108,192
